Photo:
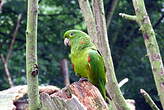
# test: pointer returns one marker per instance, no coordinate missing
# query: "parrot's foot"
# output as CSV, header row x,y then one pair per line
x,y
83,79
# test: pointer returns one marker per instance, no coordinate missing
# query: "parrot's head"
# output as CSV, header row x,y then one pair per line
x,y
72,36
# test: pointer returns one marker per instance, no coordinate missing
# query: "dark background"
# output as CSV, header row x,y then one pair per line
x,y
57,16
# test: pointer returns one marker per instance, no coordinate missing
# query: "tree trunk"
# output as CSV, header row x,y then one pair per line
x,y
89,19
151,44
31,55
112,85
64,71
96,26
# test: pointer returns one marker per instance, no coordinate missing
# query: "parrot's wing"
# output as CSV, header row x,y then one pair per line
x,y
97,74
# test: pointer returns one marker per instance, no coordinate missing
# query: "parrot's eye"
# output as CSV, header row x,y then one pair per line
x,y
71,34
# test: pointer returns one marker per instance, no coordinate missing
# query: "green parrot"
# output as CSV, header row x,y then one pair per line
x,y
86,60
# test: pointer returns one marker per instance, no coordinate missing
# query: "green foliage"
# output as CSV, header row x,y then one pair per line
x,y
55,17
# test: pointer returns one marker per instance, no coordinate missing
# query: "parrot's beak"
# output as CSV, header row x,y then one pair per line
x,y
66,42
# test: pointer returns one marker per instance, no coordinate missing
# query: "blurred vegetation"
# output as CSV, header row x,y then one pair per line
x,y
55,17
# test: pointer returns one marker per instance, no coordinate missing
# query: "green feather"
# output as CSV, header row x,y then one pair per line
x,y
97,71
86,59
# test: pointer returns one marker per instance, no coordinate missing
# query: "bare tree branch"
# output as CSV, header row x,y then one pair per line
x,y
110,10
7,71
153,52
13,37
5,60
159,21
149,100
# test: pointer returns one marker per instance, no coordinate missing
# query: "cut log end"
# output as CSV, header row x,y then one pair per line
x,y
79,95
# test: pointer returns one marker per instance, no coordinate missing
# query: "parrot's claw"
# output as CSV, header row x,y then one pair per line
x,y
83,79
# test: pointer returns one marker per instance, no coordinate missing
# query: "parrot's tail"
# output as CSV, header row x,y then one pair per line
x,y
104,93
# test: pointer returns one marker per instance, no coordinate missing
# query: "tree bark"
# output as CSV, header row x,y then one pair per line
x,y
64,70
80,95
151,44
89,19
152,47
31,55
112,85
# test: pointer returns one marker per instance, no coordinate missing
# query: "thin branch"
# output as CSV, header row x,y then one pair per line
x,y
13,37
7,71
110,10
5,60
128,17
149,100
2,58
159,21
122,82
